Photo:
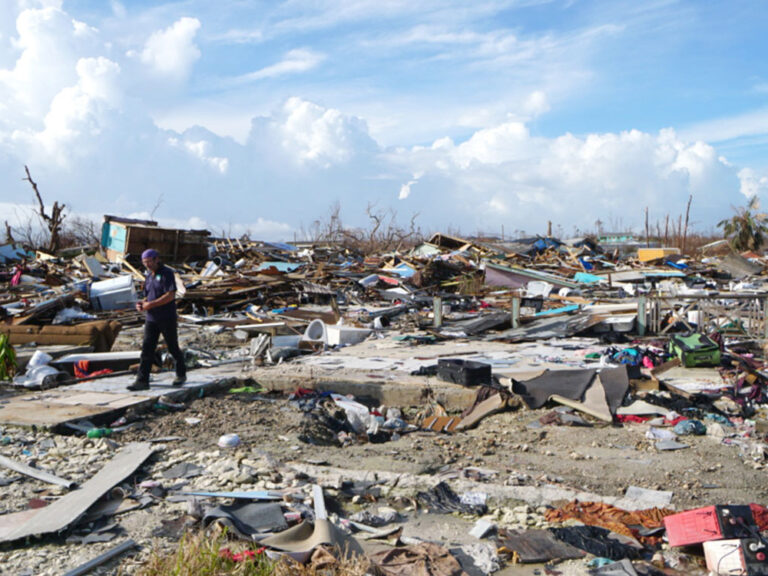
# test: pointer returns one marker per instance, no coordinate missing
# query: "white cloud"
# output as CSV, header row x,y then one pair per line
x,y
201,149
240,36
77,113
503,176
405,190
118,9
172,52
502,143
294,62
258,229
754,122
36,4
321,136
752,184
536,104
47,43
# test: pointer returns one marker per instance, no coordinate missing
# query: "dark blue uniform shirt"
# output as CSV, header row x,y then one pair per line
x,y
155,285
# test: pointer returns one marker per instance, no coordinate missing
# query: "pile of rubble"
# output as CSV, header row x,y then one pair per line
x,y
344,382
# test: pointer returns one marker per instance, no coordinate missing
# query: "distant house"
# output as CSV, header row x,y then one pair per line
x,y
128,238
616,237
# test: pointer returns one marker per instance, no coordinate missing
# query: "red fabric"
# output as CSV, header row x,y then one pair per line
x,y
632,418
243,556
760,513
81,369
675,420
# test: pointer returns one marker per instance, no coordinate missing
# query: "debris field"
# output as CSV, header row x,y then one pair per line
x,y
456,407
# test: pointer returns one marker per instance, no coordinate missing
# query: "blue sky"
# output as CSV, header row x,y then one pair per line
x,y
240,115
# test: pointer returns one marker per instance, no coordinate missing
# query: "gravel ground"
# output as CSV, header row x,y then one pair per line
x,y
604,460
501,457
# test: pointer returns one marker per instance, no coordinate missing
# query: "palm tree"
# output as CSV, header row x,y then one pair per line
x,y
747,228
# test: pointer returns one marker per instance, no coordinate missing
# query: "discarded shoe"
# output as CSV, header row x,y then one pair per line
x,y
139,385
179,380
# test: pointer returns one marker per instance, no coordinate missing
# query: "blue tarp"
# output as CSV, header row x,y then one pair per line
x,y
563,310
9,252
280,266
660,274
586,278
403,270
282,246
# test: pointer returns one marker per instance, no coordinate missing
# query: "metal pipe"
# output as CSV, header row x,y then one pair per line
x,y
102,559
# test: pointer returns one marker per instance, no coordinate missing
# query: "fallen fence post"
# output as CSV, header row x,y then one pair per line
x,y
437,311
641,319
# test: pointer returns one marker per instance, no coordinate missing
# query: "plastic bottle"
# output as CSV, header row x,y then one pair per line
x,y
99,432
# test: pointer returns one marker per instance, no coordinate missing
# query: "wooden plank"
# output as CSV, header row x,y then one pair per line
x,y
68,509
136,274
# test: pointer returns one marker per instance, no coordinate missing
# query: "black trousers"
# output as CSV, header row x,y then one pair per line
x,y
152,331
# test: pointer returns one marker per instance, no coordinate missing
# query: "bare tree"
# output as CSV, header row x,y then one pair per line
x,y
156,206
8,233
331,229
687,214
54,220
80,231
382,235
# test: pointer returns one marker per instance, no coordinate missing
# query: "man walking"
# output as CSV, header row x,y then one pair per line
x,y
160,306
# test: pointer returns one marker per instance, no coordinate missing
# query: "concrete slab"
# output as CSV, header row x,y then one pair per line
x,y
100,398
54,407
380,370
160,384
